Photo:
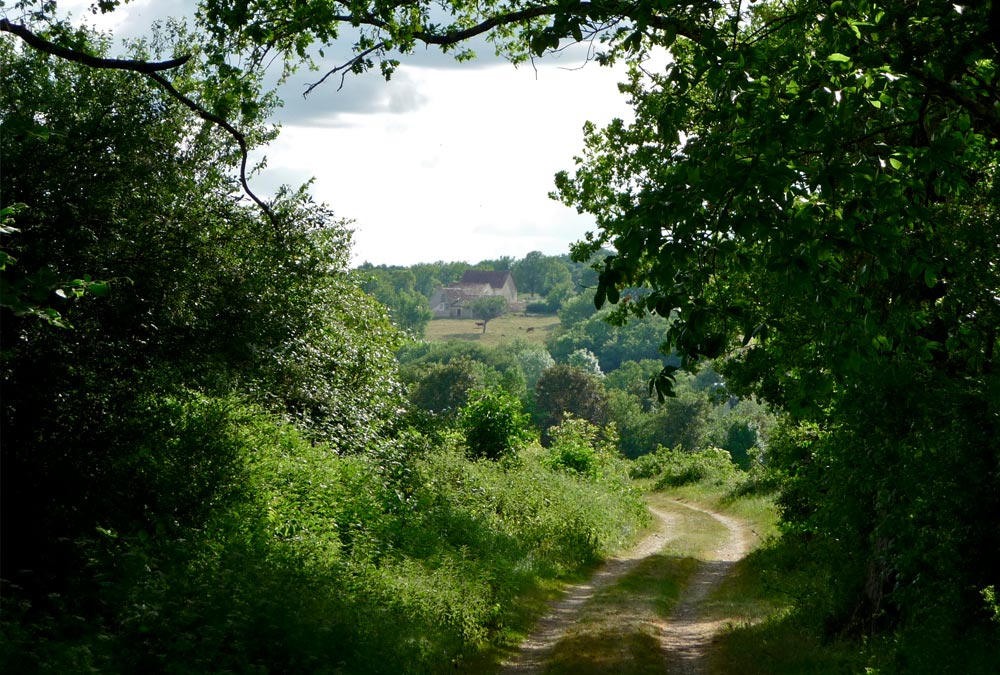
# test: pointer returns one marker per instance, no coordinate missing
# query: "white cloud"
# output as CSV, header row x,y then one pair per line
x,y
446,161
465,175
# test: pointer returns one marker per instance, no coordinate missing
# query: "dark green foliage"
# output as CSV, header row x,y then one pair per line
x,y
564,389
613,344
803,194
495,426
537,273
443,389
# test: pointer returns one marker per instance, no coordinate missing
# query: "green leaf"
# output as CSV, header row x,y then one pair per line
x,y
99,288
837,57
930,277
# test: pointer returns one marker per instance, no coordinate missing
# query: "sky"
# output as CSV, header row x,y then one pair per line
x,y
447,161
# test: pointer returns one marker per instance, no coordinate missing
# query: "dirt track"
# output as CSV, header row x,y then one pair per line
x,y
684,636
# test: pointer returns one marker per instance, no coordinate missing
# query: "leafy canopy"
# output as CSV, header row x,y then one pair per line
x,y
809,190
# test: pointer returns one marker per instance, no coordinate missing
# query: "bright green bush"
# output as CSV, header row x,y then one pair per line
x,y
494,424
674,467
297,559
582,447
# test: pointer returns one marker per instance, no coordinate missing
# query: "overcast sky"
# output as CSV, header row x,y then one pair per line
x,y
445,162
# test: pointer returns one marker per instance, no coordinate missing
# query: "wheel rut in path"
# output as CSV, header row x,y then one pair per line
x,y
687,634
684,636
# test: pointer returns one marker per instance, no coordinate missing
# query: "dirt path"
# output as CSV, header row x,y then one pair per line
x,y
686,634
683,636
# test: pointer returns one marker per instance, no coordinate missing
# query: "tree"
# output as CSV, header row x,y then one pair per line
x,y
533,361
809,186
818,202
395,288
488,307
538,273
124,435
564,389
585,360
444,388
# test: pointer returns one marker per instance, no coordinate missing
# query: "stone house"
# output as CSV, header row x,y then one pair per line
x,y
452,302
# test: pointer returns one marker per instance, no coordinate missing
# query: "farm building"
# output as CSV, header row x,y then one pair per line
x,y
451,302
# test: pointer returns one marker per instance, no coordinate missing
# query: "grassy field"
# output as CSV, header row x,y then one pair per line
x,y
532,328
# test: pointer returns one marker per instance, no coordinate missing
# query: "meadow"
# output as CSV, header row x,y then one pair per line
x,y
530,327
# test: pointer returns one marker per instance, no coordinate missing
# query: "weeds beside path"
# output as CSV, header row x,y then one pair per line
x,y
643,610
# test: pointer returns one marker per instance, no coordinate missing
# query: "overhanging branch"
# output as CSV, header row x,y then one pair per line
x,y
152,70
43,45
229,128
588,11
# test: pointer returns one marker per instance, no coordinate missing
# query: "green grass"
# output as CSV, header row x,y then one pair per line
x,y
504,329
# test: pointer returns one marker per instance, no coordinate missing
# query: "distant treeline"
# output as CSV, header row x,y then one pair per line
x,y
546,281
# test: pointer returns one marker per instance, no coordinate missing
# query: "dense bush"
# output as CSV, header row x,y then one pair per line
x,y
300,560
563,390
577,445
674,467
495,427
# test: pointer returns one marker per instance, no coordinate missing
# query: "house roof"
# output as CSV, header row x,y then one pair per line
x,y
494,279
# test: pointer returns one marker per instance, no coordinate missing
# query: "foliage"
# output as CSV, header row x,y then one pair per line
x,y
808,187
396,289
488,307
533,362
612,344
564,389
676,467
802,193
578,309
444,389
579,446
585,360
238,544
26,294
558,294
538,274
633,377
494,425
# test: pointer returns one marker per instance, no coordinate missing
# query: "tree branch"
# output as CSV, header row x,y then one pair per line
x,y
152,70
343,68
584,9
229,128
43,45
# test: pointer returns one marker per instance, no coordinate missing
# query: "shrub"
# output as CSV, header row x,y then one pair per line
x,y
494,425
580,447
674,467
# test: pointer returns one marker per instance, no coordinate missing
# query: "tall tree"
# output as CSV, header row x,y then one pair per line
x,y
564,389
811,189
206,297
488,307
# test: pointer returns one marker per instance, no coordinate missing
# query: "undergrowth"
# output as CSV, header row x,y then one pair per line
x,y
408,559
778,601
